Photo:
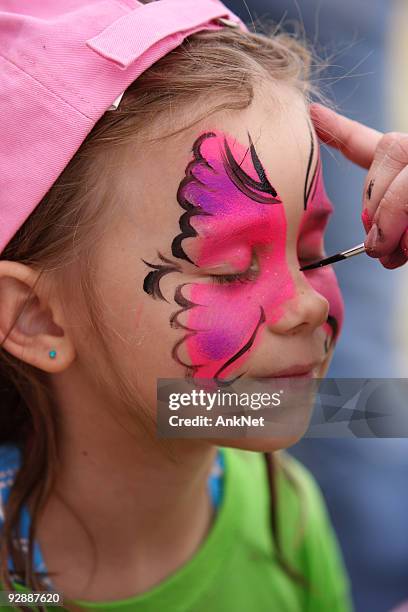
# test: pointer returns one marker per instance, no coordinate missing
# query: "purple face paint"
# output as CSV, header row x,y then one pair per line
x,y
232,209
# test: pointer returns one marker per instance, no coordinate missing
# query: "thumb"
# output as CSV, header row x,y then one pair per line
x,y
356,141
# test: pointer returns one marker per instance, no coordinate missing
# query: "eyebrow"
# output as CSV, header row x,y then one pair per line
x,y
307,189
244,182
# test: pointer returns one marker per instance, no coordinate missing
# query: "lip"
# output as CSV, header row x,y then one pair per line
x,y
299,371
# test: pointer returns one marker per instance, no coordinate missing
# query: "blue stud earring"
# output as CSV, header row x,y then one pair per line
x,y
53,354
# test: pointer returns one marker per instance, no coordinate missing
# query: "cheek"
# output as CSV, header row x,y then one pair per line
x,y
226,319
324,281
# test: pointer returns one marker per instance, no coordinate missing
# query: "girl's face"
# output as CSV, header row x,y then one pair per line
x,y
200,274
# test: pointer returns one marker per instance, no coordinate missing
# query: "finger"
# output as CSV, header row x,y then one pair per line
x,y
390,158
356,141
390,220
395,260
399,257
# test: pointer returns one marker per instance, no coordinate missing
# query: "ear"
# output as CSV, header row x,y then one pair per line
x,y
32,321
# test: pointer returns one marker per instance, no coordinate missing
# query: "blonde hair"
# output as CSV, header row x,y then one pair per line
x,y
222,67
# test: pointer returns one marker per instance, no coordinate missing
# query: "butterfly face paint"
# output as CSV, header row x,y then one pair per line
x,y
234,227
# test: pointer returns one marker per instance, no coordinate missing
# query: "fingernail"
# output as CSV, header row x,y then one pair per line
x,y
372,238
365,217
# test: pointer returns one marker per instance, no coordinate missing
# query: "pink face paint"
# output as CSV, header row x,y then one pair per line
x,y
231,209
365,217
310,244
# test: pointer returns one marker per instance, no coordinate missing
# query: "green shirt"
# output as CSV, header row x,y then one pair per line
x,y
235,569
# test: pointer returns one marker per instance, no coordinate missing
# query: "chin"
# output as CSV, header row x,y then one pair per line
x,y
291,433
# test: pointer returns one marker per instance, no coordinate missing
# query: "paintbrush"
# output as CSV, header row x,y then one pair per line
x,y
357,250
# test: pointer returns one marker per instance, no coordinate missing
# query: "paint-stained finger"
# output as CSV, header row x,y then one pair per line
x,y
395,260
400,255
356,141
390,220
390,158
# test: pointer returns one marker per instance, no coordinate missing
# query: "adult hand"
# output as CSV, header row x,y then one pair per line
x,y
385,195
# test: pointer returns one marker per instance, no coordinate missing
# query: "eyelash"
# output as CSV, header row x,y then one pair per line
x,y
249,275
241,277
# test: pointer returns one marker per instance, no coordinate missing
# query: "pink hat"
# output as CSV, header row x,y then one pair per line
x,y
63,63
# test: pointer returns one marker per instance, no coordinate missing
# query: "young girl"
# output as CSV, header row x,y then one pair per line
x,y
160,239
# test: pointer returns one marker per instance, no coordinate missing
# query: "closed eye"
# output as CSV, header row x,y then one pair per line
x,y
250,274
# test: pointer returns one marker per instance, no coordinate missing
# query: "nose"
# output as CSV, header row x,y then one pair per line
x,y
304,311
